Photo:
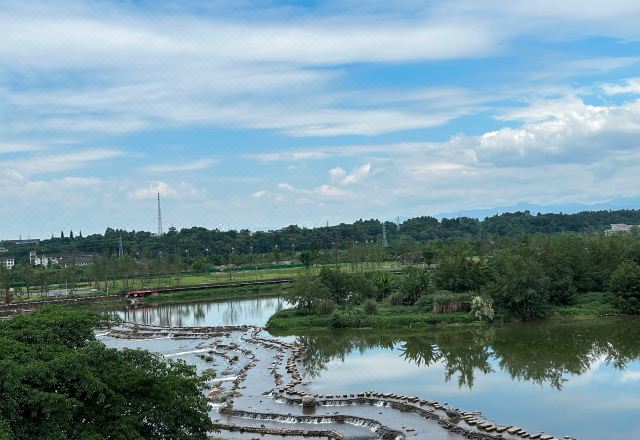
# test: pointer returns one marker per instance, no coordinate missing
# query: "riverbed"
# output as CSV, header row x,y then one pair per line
x,y
578,378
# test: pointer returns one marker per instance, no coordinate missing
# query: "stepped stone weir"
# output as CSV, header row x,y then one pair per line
x,y
259,389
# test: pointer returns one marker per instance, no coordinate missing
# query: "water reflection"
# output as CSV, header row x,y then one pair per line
x,y
250,311
542,353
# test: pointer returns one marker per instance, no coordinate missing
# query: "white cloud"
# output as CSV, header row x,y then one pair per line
x,y
179,190
62,161
630,85
357,175
337,174
111,68
259,194
180,167
286,187
330,191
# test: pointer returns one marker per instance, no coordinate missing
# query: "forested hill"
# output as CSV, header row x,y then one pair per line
x,y
199,241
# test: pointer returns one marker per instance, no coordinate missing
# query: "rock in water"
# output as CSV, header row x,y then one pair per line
x,y
452,414
308,401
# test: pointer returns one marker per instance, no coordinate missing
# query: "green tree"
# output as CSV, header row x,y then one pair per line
x,y
307,291
338,284
625,285
307,259
460,271
520,286
59,383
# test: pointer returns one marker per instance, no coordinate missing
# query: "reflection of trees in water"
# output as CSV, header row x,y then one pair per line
x,y
537,352
253,311
323,349
459,359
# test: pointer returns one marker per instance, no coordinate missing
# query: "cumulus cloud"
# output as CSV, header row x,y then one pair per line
x,y
259,194
179,190
630,85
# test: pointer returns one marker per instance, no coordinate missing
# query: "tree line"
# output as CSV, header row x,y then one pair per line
x,y
515,278
218,247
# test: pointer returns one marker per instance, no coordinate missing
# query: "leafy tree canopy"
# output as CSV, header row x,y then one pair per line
x,y
57,382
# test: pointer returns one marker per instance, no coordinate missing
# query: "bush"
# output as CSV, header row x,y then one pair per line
x,y
325,307
336,321
370,307
395,299
413,284
448,302
341,320
425,303
482,308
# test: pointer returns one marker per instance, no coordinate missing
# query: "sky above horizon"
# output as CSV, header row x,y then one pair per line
x,y
259,114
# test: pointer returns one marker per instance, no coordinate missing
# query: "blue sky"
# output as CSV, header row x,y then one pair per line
x,y
260,114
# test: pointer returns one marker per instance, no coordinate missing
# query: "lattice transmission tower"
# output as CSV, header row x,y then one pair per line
x,y
385,241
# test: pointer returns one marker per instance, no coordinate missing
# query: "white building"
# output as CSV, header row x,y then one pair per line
x,y
8,262
621,228
62,260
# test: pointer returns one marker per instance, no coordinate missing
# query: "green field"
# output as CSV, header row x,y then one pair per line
x,y
116,286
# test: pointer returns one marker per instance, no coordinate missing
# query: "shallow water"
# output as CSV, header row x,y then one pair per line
x,y
579,378
236,312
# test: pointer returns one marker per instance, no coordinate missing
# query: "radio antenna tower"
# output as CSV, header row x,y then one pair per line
x,y
159,217
385,242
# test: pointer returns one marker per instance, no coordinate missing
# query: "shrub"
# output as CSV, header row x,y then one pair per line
x,y
325,307
448,302
370,307
336,321
395,299
413,284
482,308
425,303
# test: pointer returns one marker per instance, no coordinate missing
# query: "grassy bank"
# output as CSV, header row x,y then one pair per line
x,y
591,305
230,293
385,318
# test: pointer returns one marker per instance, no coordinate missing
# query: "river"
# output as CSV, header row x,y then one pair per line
x,y
579,378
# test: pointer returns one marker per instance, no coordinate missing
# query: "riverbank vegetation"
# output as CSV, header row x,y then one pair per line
x,y
59,382
530,278
229,293
123,260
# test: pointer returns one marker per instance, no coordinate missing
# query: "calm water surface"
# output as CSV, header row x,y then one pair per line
x,y
579,378
247,311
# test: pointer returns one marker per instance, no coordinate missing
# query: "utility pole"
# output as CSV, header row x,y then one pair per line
x,y
159,217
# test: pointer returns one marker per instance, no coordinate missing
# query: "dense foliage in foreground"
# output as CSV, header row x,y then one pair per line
x,y
57,382
528,279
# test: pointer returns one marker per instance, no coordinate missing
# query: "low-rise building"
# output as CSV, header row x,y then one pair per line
x,y
59,260
622,228
8,262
